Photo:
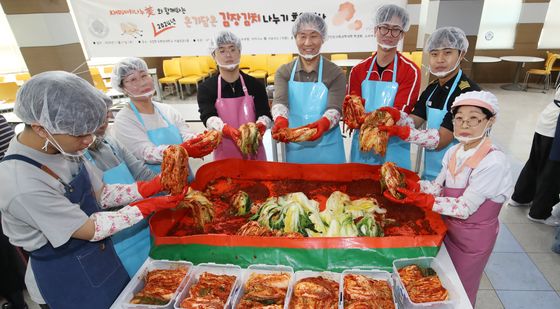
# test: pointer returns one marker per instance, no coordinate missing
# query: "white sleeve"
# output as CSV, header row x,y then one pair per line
x,y
108,223
279,110
454,207
333,116
405,120
119,194
428,138
215,123
431,187
265,120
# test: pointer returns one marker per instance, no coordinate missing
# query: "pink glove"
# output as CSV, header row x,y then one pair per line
x,y
395,113
149,188
422,200
197,149
322,125
231,132
153,204
403,132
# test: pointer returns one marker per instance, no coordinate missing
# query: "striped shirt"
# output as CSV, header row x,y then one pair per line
x,y
6,134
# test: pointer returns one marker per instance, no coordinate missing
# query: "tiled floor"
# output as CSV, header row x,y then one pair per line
x,y
522,272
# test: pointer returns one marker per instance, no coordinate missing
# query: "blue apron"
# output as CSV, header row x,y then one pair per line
x,y
377,94
307,103
132,244
169,135
433,158
80,273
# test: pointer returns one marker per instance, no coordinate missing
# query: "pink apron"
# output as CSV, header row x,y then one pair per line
x,y
235,112
470,241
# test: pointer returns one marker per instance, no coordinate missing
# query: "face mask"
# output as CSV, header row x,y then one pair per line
x,y
465,139
309,57
76,155
143,95
96,142
445,73
383,46
228,67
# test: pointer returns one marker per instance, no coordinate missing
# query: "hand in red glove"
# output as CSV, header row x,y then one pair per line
x,y
280,123
422,200
322,125
411,185
231,132
262,128
395,113
402,132
153,204
149,188
196,148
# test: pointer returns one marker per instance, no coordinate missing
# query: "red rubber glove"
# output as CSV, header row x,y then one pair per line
x,y
153,204
422,200
280,123
197,149
395,113
402,132
322,125
231,132
262,128
411,185
151,187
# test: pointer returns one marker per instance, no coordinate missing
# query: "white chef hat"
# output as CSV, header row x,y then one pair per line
x,y
483,99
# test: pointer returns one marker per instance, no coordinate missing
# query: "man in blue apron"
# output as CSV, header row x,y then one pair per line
x,y
446,47
309,92
144,127
386,79
49,206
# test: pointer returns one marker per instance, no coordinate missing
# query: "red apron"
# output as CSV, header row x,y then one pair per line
x,y
470,241
235,112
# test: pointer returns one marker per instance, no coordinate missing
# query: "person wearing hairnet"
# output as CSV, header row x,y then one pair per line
x,y
232,98
309,92
470,189
538,184
50,195
446,46
386,79
147,128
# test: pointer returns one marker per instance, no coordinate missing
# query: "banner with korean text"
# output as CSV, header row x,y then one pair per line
x,y
154,28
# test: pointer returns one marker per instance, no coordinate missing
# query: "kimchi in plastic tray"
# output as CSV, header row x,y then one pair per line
x,y
262,269
425,263
370,274
137,283
302,274
215,269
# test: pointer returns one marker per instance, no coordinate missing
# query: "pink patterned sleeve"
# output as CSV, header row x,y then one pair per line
x,y
108,223
428,139
119,194
154,154
333,116
405,120
456,207
430,187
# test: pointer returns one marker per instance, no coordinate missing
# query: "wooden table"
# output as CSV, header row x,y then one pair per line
x,y
520,60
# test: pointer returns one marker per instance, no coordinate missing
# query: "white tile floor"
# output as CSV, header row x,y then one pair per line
x,y
523,272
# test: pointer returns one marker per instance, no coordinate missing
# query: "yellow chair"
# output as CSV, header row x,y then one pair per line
x,y
273,63
557,70
417,58
8,91
245,63
23,76
203,64
108,69
192,75
210,64
2,79
98,82
339,56
546,72
407,55
172,73
94,71
258,67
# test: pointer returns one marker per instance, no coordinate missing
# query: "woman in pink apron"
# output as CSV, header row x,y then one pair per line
x,y
470,189
232,98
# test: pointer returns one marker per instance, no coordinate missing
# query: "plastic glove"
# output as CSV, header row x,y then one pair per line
x,y
231,132
422,200
322,125
151,187
411,185
395,113
153,204
262,128
196,148
280,123
402,132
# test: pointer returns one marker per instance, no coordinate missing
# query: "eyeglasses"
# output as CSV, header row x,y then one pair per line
x,y
395,32
471,122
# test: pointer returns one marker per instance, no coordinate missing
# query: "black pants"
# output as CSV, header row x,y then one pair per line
x,y
12,271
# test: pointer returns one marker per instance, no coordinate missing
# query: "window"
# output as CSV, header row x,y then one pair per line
x,y
549,35
498,23
11,60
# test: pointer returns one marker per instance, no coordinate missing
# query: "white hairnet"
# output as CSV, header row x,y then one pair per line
x,y
478,98
447,37
310,21
108,101
62,103
124,68
224,38
385,14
